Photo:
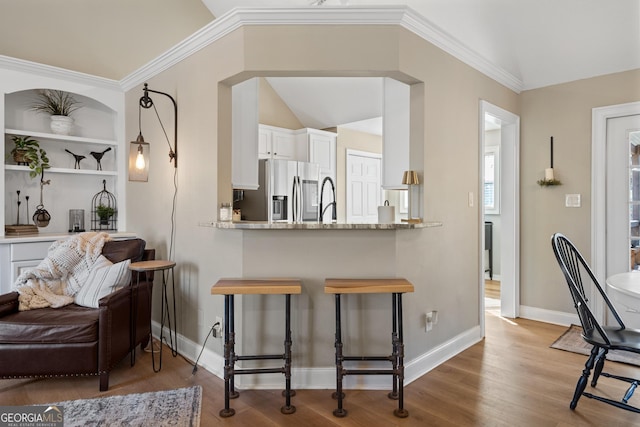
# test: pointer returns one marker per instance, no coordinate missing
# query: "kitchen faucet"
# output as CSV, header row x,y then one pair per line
x,y
333,192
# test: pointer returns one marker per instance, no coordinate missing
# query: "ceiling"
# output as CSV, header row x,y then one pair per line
x,y
538,42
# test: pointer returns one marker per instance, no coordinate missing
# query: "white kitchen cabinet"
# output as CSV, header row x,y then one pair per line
x,y
396,137
319,147
276,143
244,135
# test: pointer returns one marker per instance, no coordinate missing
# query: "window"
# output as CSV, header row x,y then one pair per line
x,y
492,180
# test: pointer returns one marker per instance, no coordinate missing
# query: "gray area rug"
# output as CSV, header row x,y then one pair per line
x,y
572,341
180,407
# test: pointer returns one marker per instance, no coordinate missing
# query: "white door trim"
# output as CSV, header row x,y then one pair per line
x,y
509,213
599,118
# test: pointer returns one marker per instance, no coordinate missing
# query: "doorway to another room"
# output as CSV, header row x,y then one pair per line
x,y
499,214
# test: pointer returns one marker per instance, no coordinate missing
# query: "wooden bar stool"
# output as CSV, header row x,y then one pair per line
x,y
166,267
396,287
231,287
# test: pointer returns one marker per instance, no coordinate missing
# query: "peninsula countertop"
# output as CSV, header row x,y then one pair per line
x,y
264,225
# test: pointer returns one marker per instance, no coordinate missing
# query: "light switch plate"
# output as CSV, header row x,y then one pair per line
x,y
572,200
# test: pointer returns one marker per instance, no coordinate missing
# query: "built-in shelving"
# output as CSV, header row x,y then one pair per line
x,y
70,183
63,170
63,138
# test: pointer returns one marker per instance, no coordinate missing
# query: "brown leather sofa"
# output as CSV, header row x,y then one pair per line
x,y
75,340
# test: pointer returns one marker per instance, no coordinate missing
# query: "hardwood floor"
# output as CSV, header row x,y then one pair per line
x,y
492,289
511,378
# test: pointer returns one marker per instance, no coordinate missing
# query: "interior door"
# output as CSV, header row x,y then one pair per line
x,y
622,193
363,187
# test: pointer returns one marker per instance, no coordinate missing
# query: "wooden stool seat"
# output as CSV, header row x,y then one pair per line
x,y
367,286
256,287
396,287
272,286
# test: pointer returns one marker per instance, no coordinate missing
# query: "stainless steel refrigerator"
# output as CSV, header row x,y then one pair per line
x,y
292,191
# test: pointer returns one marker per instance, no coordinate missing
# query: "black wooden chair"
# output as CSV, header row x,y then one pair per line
x,y
585,290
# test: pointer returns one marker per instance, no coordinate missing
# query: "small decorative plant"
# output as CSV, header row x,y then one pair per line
x,y
104,213
548,182
56,103
27,151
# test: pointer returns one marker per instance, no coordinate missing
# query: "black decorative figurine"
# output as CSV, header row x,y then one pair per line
x,y
78,157
98,157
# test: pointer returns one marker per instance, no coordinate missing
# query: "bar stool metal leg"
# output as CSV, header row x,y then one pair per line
x,y
228,363
288,408
339,395
400,412
394,345
233,393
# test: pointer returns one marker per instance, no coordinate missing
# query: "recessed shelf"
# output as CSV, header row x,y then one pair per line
x,y
65,138
63,170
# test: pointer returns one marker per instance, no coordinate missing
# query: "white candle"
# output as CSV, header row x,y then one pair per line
x,y
548,174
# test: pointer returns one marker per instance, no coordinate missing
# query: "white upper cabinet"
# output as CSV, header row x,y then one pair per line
x,y
319,147
395,141
244,135
276,143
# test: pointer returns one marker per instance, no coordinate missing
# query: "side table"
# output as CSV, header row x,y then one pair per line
x,y
166,267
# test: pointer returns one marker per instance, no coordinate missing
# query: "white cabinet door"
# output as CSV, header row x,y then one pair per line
x,y
322,150
264,143
283,144
276,143
17,267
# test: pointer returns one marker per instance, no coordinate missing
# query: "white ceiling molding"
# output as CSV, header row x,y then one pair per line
x,y
394,15
430,32
48,71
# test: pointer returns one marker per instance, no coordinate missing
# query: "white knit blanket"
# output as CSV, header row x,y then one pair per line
x,y
59,276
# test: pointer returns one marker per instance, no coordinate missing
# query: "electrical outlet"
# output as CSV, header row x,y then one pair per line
x,y
428,321
218,328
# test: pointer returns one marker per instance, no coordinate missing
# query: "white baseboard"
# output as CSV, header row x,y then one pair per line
x,y
549,316
325,378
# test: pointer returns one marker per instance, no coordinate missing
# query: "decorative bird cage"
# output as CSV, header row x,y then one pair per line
x,y
104,213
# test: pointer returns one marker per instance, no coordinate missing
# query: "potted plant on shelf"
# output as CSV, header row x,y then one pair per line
x,y
59,104
104,213
27,151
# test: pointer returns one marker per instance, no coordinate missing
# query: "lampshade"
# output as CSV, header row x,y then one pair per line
x,y
410,178
139,159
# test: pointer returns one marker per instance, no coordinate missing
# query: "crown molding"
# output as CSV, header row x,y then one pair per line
x,y
48,71
392,15
430,32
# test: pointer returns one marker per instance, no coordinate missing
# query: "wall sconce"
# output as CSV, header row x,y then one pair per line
x,y
410,178
139,149
549,179
139,159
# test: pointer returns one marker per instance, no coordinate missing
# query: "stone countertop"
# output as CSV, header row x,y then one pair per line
x,y
263,225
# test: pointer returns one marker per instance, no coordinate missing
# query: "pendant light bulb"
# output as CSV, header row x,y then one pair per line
x,y
140,164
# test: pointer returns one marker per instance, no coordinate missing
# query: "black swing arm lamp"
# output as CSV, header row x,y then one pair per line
x,y
146,102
